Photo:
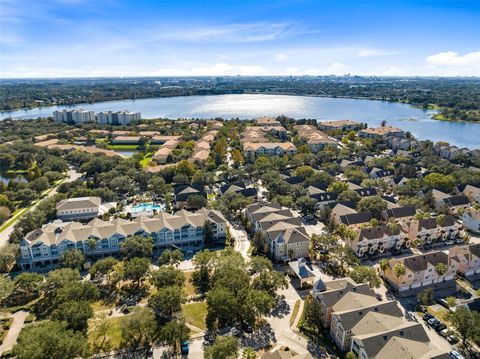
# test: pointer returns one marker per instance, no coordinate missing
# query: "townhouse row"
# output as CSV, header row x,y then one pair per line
x,y
98,238
361,322
284,232
434,268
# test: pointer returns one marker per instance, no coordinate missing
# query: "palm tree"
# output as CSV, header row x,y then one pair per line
x,y
249,353
384,264
399,270
441,269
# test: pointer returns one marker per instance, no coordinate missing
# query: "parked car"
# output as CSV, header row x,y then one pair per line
x,y
439,326
444,333
247,328
456,355
209,337
185,347
427,317
432,321
236,332
453,339
449,242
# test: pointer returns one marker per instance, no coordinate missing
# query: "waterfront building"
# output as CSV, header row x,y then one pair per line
x,y
74,116
118,117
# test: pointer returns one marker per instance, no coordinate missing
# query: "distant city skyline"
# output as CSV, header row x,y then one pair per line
x,y
87,38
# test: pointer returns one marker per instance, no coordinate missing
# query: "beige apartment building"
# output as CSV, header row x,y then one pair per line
x,y
251,151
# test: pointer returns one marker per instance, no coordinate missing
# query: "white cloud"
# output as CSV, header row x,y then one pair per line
x,y
233,33
452,58
279,57
371,52
337,68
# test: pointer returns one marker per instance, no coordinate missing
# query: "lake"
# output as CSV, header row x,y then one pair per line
x,y
409,118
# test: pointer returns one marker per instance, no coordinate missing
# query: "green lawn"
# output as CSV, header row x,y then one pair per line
x,y
195,314
296,307
15,215
114,333
146,160
122,147
188,286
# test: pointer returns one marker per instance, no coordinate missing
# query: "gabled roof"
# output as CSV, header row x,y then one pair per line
x,y
456,201
78,203
356,218
400,212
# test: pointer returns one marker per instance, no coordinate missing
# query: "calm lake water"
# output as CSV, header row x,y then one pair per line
x,y
415,120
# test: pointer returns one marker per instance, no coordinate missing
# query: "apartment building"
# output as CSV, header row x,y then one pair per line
x,y
315,139
201,151
381,239
44,246
381,132
371,319
285,234
407,341
251,151
428,230
79,208
74,116
466,259
118,117
420,271
471,220
267,121
164,154
343,125
340,295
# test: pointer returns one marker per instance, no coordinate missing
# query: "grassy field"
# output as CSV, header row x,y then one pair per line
x,y
188,286
113,333
146,160
296,307
195,314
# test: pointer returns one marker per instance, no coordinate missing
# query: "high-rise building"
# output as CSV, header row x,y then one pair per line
x,y
74,116
118,118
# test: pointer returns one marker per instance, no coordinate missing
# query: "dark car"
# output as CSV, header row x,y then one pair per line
x,y
427,316
209,337
247,328
439,326
452,339
185,347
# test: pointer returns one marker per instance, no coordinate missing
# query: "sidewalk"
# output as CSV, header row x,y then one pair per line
x,y
12,335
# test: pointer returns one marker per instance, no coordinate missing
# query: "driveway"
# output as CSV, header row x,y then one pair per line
x,y
241,244
12,335
72,175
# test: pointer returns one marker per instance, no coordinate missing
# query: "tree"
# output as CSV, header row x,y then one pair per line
x,y
196,201
170,257
237,158
102,267
186,168
441,269
345,257
384,264
72,258
313,314
337,187
222,348
466,324
75,313
249,353
440,181
167,301
8,254
306,205
350,355
203,262
365,274
425,297
50,340
28,286
351,196
399,270
135,269
6,288
304,172
174,332
373,204
221,308
138,329
137,246
167,276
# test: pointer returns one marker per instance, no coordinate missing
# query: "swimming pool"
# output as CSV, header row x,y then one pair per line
x,y
146,207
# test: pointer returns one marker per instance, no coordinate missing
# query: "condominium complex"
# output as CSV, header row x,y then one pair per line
x,y
107,118
44,246
255,150
118,118
74,116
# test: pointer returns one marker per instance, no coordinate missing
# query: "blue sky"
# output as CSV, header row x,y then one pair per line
x,y
67,38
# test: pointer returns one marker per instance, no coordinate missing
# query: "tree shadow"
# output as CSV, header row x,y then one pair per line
x,y
281,309
259,339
